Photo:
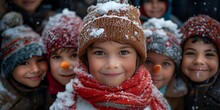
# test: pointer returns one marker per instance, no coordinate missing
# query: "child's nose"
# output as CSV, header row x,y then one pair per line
x,y
199,60
35,68
157,68
65,65
112,62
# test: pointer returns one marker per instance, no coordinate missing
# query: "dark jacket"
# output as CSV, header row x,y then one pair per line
x,y
79,6
15,96
167,16
205,95
175,93
37,20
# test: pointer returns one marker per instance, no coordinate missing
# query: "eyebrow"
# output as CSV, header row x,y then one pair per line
x,y
212,50
208,50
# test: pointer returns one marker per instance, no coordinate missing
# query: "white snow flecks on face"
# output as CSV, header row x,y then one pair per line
x,y
198,74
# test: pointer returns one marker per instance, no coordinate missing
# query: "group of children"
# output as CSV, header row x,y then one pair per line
x,y
110,60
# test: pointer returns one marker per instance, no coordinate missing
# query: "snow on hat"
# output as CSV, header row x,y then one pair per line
x,y
112,20
62,31
163,37
19,44
11,19
201,26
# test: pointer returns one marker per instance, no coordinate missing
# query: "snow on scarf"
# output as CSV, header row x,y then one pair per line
x,y
134,93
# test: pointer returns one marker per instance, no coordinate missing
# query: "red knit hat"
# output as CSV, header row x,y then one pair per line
x,y
201,26
62,31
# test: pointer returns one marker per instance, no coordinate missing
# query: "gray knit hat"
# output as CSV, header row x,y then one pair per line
x,y
19,44
163,37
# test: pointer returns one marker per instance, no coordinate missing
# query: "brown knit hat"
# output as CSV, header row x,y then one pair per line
x,y
112,20
201,26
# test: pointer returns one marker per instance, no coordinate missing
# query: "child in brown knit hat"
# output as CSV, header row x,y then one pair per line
x,y
111,74
200,62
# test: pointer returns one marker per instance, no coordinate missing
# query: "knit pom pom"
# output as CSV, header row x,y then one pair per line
x,y
11,19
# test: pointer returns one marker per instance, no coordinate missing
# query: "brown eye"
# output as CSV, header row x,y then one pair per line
x,y
74,55
56,57
123,52
99,53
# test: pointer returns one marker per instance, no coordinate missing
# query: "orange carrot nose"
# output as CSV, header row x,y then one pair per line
x,y
65,65
157,68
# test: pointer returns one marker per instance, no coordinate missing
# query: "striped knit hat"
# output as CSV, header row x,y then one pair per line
x,y
163,37
19,44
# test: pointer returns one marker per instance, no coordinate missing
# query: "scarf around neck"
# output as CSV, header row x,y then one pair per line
x,y
134,93
54,86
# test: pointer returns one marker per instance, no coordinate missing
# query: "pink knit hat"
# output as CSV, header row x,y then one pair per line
x,y
62,31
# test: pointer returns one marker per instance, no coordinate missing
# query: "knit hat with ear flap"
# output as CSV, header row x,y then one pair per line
x,y
62,31
163,37
19,44
113,20
201,26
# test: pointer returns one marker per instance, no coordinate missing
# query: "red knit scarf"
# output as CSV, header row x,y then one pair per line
x,y
54,86
134,93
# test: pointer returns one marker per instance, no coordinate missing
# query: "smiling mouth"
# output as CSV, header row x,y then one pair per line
x,y
35,78
67,76
111,74
155,81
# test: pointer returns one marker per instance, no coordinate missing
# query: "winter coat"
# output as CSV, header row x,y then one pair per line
x,y
37,20
204,96
175,93
167,16
15,96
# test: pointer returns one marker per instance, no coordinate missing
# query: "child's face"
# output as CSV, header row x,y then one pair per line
x,y
63,75
111,63
28,5
31,71
200,61
154,8
162,77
